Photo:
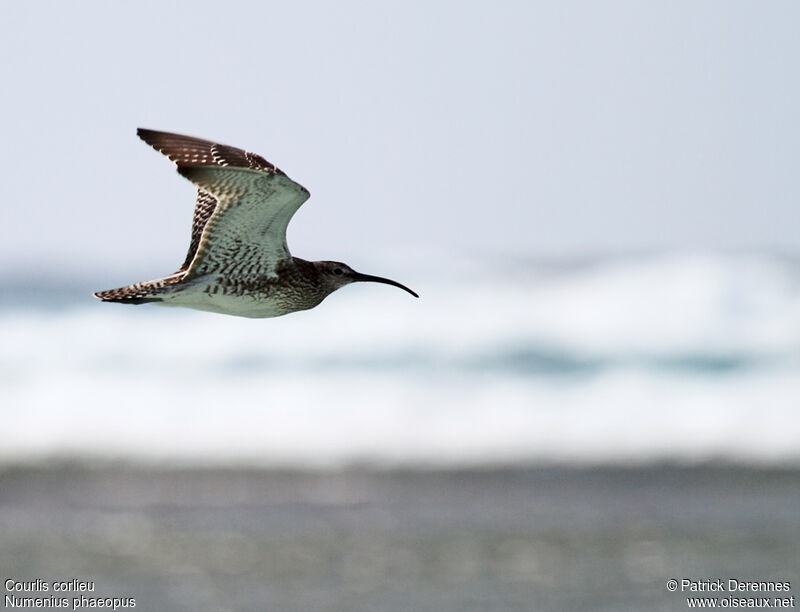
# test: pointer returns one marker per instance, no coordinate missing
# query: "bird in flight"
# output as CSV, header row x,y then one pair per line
x,y
238,261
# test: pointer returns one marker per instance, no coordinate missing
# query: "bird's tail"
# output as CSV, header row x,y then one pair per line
x,y
140,293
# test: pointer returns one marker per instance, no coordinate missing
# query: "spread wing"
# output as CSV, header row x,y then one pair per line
x,y
186,150
203,209
245,236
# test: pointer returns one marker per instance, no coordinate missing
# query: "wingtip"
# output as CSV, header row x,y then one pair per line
x,y
147,135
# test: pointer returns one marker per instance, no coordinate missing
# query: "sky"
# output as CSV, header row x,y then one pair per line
x,y
510,128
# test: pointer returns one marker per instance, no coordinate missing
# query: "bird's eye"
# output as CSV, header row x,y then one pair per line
x,y
338,271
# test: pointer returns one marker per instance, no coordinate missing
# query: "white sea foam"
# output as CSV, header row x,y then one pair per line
x,y
675,357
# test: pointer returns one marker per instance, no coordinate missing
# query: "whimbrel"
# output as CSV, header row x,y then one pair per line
x,y
238,261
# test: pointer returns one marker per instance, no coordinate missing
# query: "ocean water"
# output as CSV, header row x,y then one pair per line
x,y
525,436
680,357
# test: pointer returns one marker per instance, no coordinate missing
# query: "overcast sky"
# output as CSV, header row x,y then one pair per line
x,y
526,128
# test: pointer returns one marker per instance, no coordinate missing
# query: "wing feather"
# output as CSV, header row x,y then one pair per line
x,y
190,151
245,236
196,151
203,209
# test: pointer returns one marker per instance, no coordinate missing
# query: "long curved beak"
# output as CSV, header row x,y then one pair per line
x,y
368,278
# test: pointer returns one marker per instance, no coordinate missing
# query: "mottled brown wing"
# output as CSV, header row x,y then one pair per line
x,y
245,236
196,151
203,209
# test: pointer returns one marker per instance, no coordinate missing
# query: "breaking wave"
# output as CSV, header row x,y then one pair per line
x,y
675,357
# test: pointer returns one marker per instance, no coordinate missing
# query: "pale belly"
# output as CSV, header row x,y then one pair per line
x,y
205,294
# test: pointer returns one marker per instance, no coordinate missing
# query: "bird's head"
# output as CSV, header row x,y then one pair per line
x,y
336,274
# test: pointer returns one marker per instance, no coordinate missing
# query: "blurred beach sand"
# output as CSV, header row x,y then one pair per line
x,y
544,538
